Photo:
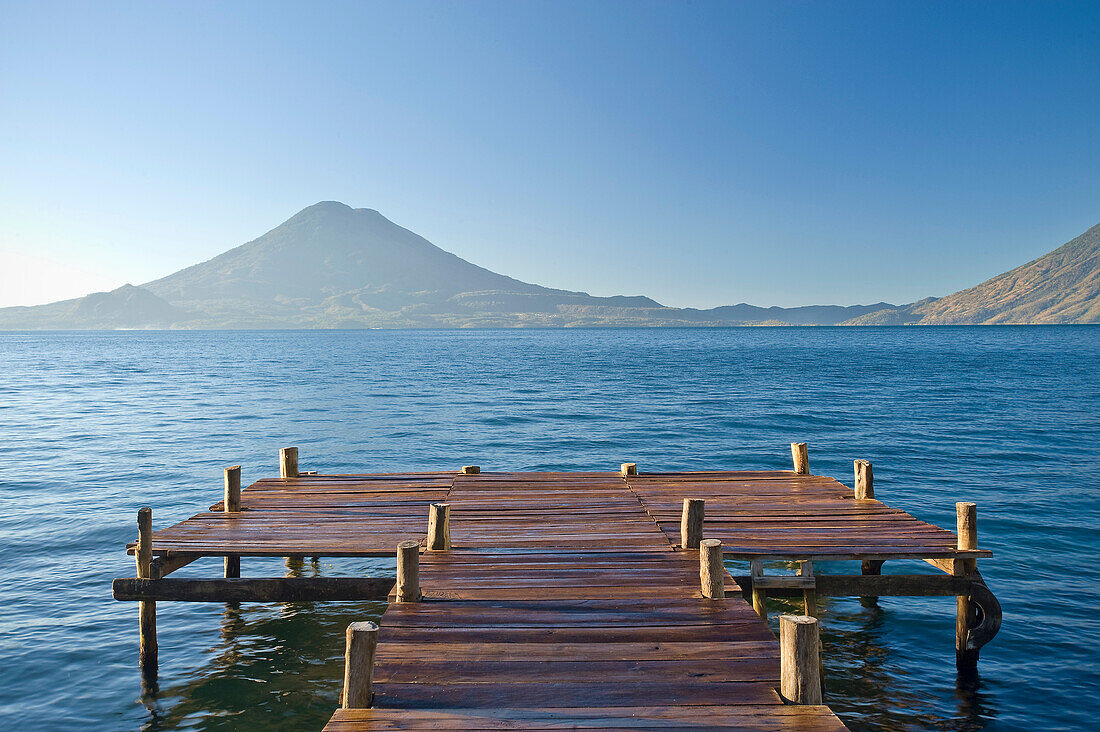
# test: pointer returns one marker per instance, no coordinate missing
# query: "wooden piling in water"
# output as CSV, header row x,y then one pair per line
x,y
288,462
799,660
691,523
359,649
966,520
800,455
628,469
231,503
439,527
809,595
712,571
759,594
147,609
408,571
865,480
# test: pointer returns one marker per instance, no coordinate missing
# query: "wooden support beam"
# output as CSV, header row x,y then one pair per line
x,y
628,469
266,589
966,657
169,563
691,523
799,659
854,585
809,594
712,572
231,503
288,462
870,567
759,594
361,642
781,582
471,470
147,611
439,527
865,480
408,572
801,457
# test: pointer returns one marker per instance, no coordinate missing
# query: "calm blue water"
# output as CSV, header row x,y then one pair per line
x,y
95,425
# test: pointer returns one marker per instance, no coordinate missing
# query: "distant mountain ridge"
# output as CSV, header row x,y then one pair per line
x,y
332,266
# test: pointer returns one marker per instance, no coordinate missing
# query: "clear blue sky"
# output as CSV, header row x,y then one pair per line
x,y
700,153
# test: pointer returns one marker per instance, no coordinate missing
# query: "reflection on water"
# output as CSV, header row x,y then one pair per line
x,y
275,667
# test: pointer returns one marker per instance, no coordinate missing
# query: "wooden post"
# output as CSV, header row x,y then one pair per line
x,y
470,470
439,526
711,569
691,523
809,596
865,480
628,469
408,571
967,527
799,659
362,640
801,457
870,567
147,609
231,503
288,462
759,594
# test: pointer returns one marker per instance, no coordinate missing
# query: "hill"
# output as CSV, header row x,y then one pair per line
x,y
332,266
1062,287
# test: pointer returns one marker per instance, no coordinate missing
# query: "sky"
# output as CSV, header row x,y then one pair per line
x,y
776,153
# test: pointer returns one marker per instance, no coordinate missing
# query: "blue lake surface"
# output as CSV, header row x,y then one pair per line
x,y
95,425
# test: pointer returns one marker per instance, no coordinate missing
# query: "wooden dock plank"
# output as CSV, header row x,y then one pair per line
x,y
561,619
565,601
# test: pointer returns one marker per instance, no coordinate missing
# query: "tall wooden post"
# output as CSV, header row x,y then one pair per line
x,y
470,470
809,595
967,528
759,594
801,457
231,503
439,527
408,571
865,480
361,642
966,521
691,523
628,469
147,609
799,659
865,490
288,462
712,571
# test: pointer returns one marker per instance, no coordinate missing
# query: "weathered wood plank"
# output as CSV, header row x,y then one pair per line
x,y
268,589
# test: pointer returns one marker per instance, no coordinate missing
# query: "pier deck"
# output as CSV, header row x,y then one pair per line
x,y
565,600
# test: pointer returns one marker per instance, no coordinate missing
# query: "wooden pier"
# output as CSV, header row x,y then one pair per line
x,y
572,600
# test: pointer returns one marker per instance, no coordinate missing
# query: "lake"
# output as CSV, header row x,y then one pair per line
x,y
95,425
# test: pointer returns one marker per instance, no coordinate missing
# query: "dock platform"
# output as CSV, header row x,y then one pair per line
x,y
569,600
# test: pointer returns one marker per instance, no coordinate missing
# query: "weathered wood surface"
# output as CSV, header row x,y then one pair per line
x,y
781,514
563,606
565,600
264,589
768,514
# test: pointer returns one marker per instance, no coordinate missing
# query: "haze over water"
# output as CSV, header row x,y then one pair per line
x,y
95,425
